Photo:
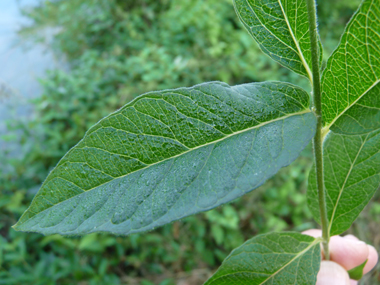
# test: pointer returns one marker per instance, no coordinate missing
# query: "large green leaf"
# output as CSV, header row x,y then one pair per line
x,y
353,70
351,167
170,154
281,29
275,258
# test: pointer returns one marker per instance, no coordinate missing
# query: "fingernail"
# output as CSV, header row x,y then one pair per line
x,y
358,242
352,237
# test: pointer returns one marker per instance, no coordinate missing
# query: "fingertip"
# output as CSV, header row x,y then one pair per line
x,y
313,232
347,252
373,257
332,273
352,237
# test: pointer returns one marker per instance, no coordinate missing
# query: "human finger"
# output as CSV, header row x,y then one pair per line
x,y
373,257
348,252
332,273
352,237
313,232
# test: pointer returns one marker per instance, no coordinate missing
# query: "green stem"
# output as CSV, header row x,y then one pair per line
x,y
317,102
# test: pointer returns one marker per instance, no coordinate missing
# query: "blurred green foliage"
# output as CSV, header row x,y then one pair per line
x,y
116,50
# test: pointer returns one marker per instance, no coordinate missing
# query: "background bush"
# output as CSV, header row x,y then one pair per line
x,y
116,50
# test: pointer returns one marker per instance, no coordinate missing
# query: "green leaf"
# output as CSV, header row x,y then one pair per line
x,y
353,70
357,272
363,117
170,154
281,29
274,258
351,167
351,112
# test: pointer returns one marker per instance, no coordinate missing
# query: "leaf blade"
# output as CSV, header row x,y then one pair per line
x,y
352,176
357,56
280,27
280,258
148,164
361,118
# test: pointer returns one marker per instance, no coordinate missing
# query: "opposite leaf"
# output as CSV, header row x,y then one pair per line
x,y
281,29
351,167
351,111
275,258
170,154
353,70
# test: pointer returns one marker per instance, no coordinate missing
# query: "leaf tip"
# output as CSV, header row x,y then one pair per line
x,y
357,272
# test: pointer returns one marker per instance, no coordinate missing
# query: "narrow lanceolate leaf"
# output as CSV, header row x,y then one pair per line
x,y
353,70
275,258
170,154
351,174
281,29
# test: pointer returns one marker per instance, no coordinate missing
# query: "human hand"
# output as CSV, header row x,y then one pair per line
x,y
345,253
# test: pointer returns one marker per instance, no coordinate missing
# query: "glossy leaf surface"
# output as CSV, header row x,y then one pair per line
x,y
274,258
170,154
353,70
280,27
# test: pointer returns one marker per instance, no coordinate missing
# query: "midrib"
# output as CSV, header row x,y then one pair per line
x,y
317,240
212,142
348,107
344,185
182,153
297,44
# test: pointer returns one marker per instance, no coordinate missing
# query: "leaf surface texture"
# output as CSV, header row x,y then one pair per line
x,y
274,258
280,27
351,167
170,154
353,70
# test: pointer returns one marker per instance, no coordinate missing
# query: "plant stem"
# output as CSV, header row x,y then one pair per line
x,y
317,103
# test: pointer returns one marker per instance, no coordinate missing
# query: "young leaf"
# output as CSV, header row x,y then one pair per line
x,y
280,27
353,70
170,154
351,167
357,272
274,258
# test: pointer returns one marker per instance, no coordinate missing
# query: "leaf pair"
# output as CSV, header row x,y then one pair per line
x,y
170,154
351,148
351,114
